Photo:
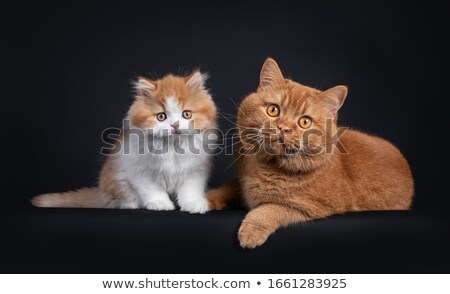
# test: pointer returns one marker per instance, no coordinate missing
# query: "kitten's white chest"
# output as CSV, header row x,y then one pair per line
x,y
168,166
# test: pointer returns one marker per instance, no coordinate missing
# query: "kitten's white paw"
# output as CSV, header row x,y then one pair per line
x,y
160,204
199,205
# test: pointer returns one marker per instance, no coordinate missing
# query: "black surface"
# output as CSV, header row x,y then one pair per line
x,y
125,241
67,73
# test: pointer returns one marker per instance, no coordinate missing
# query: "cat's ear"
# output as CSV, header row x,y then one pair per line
x,y
144,87
270,73
196,80
334,98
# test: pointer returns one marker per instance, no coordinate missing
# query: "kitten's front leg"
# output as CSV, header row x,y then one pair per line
x,y
153,196
191,194
263,220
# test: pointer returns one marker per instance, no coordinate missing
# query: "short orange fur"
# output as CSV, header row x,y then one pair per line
x,y
281,189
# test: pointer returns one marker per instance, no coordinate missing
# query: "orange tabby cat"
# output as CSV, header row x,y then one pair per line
x,y
296,165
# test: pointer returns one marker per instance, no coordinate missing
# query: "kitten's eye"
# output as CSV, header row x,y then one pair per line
x,y
161,116
187,114
273,110
305,122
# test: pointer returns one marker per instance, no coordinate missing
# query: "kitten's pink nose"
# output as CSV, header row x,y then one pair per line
x,y
175,125
284,129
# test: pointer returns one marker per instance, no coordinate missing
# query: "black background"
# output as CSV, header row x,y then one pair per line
x,y
69,68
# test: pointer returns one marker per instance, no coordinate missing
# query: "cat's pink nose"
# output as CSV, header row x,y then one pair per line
x,y
284,129
175,125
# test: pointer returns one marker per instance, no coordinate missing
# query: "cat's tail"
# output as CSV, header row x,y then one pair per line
x,y
82,198
227,196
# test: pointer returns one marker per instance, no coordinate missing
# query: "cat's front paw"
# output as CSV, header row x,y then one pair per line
x,y
251,236
160,204
199,205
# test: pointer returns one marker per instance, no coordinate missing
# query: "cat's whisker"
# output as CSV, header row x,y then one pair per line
x,y
233,162
229,136
250,135
235,143
232,122
237,136
253,121
228,114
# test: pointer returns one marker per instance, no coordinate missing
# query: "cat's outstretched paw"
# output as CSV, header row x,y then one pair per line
x,y
251,236
199,205
160,204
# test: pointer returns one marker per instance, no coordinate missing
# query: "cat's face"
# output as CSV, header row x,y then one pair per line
x,y
285,122
173,105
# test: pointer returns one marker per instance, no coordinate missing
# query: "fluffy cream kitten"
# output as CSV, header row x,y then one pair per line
x,y
170,165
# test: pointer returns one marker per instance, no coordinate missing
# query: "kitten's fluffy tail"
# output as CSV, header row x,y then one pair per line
x,y
83,198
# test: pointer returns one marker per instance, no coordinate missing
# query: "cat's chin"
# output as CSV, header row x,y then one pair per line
x,y
281,149
293,162
298,164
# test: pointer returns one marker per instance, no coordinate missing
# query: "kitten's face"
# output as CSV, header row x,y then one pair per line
x,y
173,105
286,121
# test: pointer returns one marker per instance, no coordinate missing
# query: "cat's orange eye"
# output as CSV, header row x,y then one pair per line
x,y
187,114
273,110
161,116
305,122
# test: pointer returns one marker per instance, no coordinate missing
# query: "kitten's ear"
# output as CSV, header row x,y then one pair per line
x,y
334,98
144,87
270,73
196,80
